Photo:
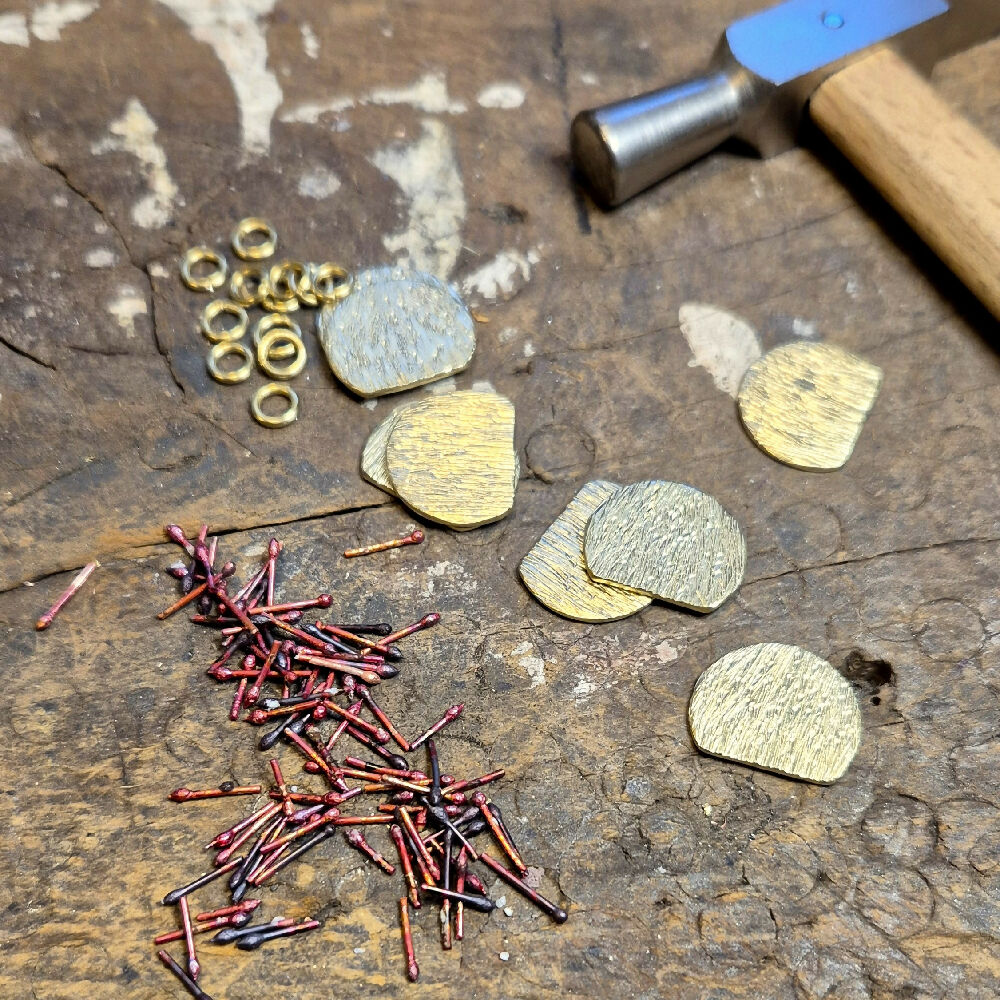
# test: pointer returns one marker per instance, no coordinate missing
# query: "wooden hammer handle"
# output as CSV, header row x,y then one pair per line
x,y
937,170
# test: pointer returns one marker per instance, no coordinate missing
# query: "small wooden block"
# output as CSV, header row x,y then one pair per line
x,y
779,708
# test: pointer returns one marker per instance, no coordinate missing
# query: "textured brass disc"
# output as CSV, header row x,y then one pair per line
x,y
805,403
373,466
398,328
555,572
779,708
669,541
451,458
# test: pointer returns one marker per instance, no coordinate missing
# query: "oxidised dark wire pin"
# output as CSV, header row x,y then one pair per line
x,y
250,942
189,984
175,894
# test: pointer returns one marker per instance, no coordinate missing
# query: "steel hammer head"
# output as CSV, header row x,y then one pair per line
x,y
759,81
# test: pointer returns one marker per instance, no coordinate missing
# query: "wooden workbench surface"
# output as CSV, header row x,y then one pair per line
x,y
371,132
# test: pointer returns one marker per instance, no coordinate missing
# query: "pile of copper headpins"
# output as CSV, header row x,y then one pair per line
x,y
291,673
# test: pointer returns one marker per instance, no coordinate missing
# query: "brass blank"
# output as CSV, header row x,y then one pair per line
x,y
451,458
779,708
667,540
555,572
805,403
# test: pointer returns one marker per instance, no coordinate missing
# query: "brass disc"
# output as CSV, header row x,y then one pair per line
x,y
397,329
805,403
779,708
555,572
451,458
669,541
373,464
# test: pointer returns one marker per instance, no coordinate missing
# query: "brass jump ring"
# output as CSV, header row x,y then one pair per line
x,y
217,353
254,226
282,373
203,282
282,419
223,307
276,321
247,285
331,283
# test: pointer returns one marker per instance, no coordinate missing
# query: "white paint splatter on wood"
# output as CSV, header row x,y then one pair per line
x,y
508,271
721,343
100,257
235,31
49,19
501,95
534,666
310,43
429,94
14,30
128,304
427,174
10,147
319,183
135,133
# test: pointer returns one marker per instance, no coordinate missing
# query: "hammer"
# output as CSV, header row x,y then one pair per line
x,y
855,66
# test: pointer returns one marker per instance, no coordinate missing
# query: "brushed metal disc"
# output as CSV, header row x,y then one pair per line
x,y
398,328
373,467
667,540
555,572
779,708
451,458
373,464
805,403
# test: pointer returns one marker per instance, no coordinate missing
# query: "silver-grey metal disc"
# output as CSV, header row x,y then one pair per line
x,y
397,329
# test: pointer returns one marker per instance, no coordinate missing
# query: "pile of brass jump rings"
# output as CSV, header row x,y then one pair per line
x,y
278,289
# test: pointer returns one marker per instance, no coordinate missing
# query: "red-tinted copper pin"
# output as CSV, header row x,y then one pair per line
x,y
450,716
342,728
463,786
176,534
557,913
194,968
254,693
323,601
499,832
404,859
205,926
422,854
413,538
282,787
192,795
310,752
182,602
426,622
377,734
265,817
273,551
446,900
78,581
247,906
356,839
412,969
368,676
237,706
461,866
189,984
374,708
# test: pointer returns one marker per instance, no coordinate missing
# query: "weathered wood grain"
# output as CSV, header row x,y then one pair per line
x,y
684,876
